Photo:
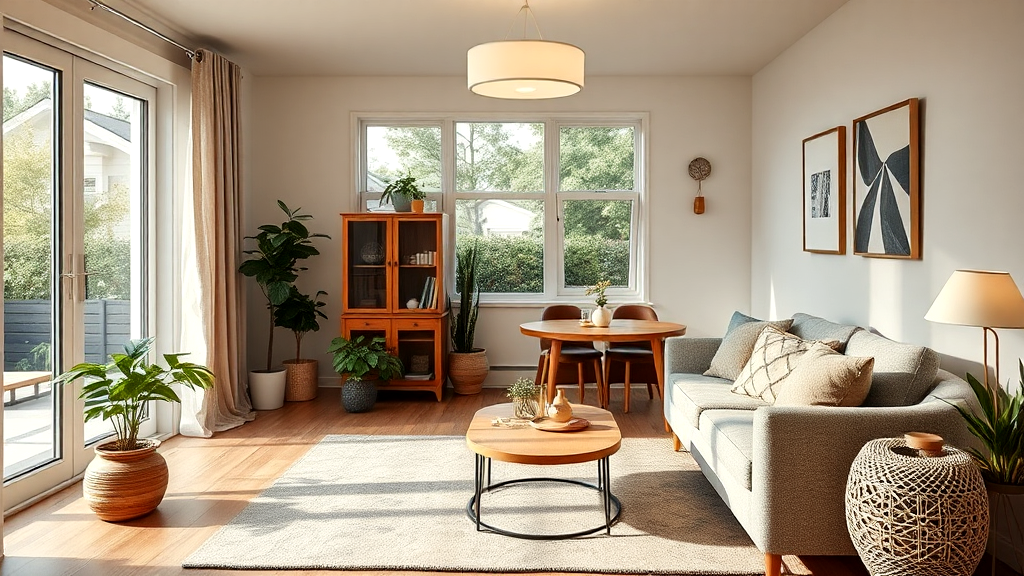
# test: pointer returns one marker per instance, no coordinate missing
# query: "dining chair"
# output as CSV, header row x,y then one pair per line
x,y
637,358
581,354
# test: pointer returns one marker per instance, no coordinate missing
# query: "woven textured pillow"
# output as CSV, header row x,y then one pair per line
x,y
825,377
737,346
773,359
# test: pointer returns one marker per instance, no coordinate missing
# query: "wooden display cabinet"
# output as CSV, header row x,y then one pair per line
x,y
388,260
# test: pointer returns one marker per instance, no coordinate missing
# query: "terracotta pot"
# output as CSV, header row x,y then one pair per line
x,y
267,389
468,370
416,205
302,380
120,485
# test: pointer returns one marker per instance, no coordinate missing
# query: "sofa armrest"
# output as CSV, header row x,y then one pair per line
x,y
801,461
689,355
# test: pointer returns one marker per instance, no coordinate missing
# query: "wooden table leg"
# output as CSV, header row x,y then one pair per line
x,y
553,354
659,369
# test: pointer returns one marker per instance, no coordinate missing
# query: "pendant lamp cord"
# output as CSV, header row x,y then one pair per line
x,y
526,21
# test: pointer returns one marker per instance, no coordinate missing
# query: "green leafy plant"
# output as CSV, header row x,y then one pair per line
x,y
1000,429
523,388
274,261
299,313
404,187
599,289
357,357
119,391
464,324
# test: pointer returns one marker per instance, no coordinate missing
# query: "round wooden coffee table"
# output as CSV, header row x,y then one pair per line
x,y
528,445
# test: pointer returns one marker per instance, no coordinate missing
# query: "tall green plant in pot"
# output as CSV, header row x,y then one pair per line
x,y
128,478
273,263
357,359
300,313
467,366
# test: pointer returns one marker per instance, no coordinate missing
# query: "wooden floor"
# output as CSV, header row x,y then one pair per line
x,y
213,479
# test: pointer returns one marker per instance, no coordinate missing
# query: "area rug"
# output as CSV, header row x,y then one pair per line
x,y
399,503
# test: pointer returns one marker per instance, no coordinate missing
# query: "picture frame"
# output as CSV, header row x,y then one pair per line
x,y
824,192
886,183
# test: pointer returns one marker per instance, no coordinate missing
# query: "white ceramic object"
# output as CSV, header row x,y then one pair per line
x,y
601,317
560,409
412,303
267,389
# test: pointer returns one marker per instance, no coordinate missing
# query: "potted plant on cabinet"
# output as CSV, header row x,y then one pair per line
x,y
356,359
273,264
128,478
300,313
467,366
404,195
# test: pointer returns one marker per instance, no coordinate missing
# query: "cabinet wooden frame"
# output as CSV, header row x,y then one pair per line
x,y
392,329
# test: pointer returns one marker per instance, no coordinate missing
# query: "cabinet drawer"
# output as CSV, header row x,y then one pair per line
x,y
367,324
416,324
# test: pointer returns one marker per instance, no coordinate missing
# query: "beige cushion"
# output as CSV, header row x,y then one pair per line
x,y
824,377
737,346
775,355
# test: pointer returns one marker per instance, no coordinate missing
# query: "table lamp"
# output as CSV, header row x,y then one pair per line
x,y
980,298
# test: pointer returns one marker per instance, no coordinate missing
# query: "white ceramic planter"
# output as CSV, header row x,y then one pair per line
x,y
267,389
601,317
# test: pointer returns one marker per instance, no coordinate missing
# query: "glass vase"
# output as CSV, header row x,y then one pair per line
x,y
525,408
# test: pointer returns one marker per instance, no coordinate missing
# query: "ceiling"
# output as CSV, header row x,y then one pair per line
x,y
430,37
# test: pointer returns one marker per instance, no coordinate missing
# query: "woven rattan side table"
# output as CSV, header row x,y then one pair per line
x,y
913,515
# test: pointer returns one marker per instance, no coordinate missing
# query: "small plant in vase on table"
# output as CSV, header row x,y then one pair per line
x,y
601,316
527,399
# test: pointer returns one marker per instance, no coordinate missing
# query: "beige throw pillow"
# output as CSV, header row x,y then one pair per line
x,y
775,355
737,346
825,377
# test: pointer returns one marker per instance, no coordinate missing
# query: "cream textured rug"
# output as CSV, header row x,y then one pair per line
x,y
398,503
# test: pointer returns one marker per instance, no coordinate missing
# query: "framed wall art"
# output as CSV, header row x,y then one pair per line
x,y
824,199
886,183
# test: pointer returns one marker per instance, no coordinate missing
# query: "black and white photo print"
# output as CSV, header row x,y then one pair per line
x,y
824,197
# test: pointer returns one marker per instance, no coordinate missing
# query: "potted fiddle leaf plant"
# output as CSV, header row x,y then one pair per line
x,y
404,195
128,478
362,361
300,313
467,366
273,263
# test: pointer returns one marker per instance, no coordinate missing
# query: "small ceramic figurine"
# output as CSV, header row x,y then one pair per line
x,y
560,410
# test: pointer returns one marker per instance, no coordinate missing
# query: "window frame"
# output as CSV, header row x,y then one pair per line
x,y
553,198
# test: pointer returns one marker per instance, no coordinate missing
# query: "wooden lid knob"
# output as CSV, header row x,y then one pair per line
x,y
930,444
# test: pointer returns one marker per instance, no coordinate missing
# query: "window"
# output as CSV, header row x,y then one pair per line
x,y
554,204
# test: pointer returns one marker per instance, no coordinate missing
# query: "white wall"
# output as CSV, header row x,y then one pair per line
x,y
962,59
700,265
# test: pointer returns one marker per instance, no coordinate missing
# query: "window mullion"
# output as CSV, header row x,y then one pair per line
x,y
553,253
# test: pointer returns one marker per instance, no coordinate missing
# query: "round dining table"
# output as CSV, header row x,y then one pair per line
x,y
559,331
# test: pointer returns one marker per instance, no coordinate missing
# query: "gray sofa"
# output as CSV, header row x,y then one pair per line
x,y
782,470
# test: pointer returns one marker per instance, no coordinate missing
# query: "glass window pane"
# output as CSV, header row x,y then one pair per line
x,y
499,157
597,241
31,423
596,158
395,151
510,238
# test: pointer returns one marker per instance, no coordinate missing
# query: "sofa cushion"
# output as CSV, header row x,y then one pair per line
x,y
813,328
773,359
737,345
730,435
737,319
825,377
694,393
903,373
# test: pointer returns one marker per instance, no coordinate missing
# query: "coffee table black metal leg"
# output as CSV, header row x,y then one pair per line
x,y
489,461
479,478
606,492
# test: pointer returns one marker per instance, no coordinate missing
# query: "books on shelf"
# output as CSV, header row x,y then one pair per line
x,y
429,296
429,376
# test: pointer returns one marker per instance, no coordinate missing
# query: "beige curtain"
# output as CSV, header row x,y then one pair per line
x,y
217,195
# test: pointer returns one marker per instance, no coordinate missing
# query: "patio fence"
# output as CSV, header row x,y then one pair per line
x,y
28,323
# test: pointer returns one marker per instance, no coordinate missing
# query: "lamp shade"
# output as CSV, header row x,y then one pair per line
x,y
525,69
979,298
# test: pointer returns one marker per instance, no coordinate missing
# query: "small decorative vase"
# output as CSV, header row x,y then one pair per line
x,y
416,205
359,395
698,205
125,484
525,408
601,317
560,410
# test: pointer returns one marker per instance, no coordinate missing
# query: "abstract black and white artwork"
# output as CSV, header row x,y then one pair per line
x,y
885,191
825,192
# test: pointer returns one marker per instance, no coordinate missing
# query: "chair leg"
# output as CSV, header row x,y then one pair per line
x,y
626,408
772,565
607,384
600,383
579,372
676,443
650,390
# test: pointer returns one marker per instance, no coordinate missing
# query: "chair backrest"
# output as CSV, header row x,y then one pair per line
x,y
633,312
562,312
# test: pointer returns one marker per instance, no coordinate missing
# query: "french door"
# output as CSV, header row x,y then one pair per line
x,y
77,175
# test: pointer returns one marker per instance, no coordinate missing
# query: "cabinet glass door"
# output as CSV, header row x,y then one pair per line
x,y
367,262
418,287
415,345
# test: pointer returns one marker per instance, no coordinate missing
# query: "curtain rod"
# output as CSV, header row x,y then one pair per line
x,y
193,54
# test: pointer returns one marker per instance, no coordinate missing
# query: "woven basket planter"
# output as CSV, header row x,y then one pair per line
x,y
468,370
121,485
910,515
302,380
